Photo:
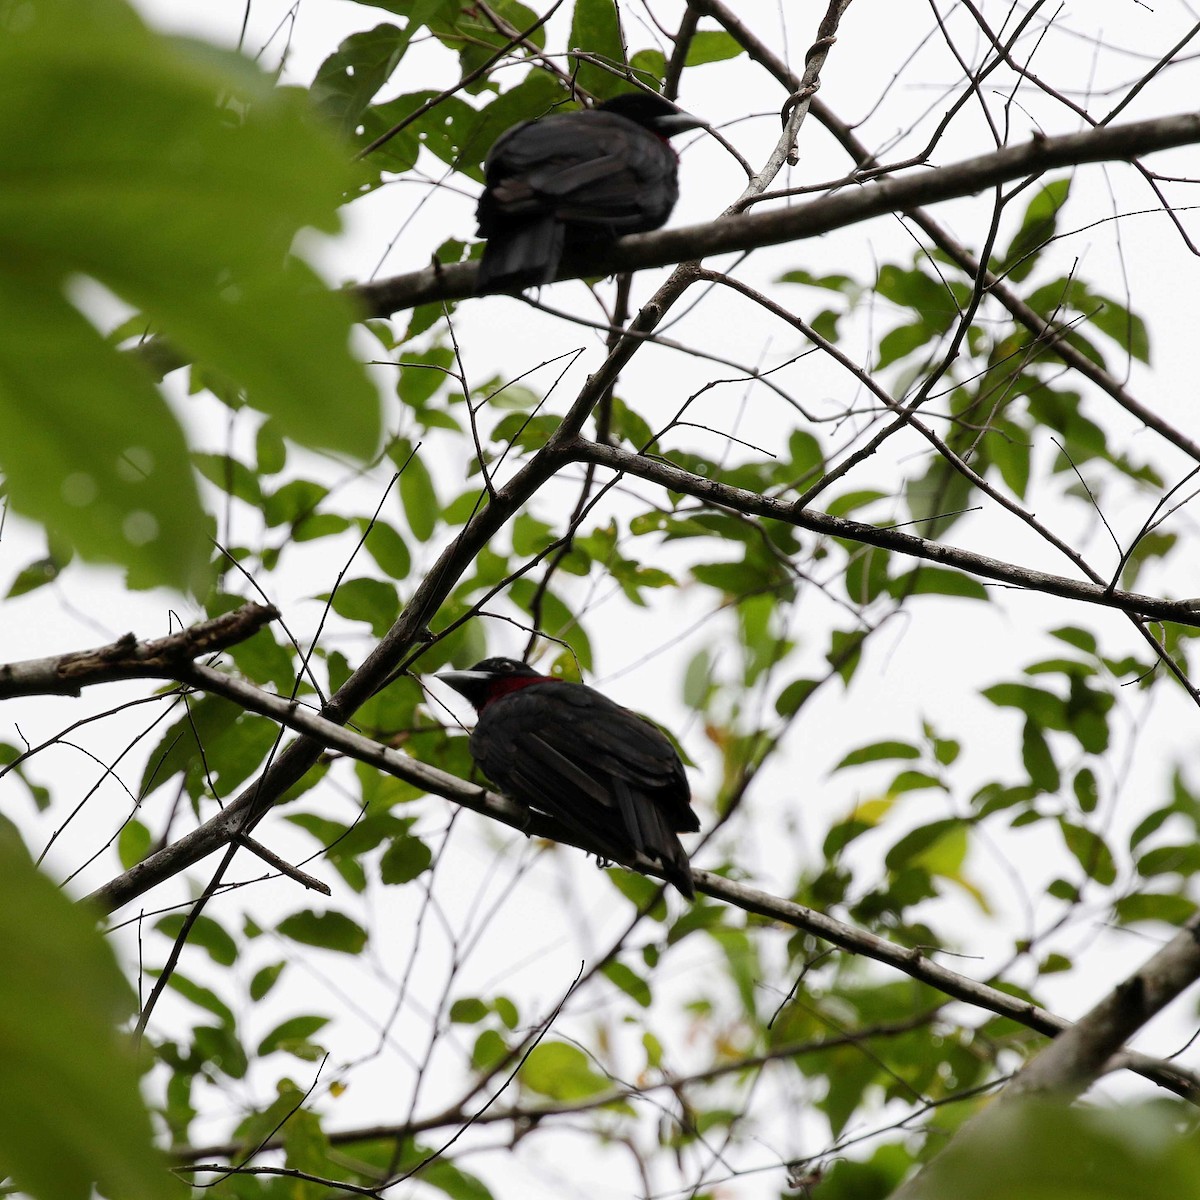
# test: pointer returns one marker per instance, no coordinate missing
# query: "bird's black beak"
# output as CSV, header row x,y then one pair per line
x,y
677,122
471,685
460,681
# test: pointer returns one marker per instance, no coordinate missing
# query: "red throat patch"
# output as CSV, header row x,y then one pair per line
x,y
505,685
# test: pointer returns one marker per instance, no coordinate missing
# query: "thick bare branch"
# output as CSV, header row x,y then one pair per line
x,y
217,832
750,231
1073,1061
127,658
941,237
1082,1053
656,470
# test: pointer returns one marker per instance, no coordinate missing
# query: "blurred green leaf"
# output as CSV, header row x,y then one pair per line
x,y
71,1117
329,930
709,46
562,1072
878,752
205,932
404,859
1091,851
629,981
296,1029
1134,1152
1038,226
178,186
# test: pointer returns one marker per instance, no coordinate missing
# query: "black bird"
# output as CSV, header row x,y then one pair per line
x,y
609,775
577,176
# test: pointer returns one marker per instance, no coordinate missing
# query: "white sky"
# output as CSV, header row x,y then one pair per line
x,y
924,666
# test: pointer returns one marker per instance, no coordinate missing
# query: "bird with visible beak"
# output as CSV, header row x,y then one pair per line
x,y
609,775
572,178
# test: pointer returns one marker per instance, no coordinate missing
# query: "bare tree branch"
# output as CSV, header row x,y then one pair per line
x,y
750,231
216,833
942,238
1079,1055
127,658
656,470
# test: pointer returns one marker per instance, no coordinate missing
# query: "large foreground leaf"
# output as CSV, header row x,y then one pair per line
x,y
175,175
70,1113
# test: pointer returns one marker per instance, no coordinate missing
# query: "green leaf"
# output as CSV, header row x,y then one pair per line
x,y
794,695
1086,789
178,186
294,1030
530,536
878,752
329,930
920,842
37,574
562,1072
1154,906
133,843
419,498
1042,707
930,298
219,1046
405,859
1037,228
206,933
1060,889
712,46
1125,328
100,460
936,581
1170,860
295,500
489,1049
347,81
370,600
1091,851
387,548
1040,1150
468,1011
629,981
231,476
265,979
867,574
203,997
594,27
1081,639
901,342
71,1117
845,653
182,745
1009,447
270,450
1038,759
834,283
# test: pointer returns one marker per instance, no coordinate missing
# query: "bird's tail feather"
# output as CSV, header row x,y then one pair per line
x,y
651,835
521,256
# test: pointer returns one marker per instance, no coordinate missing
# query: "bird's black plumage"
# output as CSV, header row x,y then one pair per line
x,y
595,174
609,775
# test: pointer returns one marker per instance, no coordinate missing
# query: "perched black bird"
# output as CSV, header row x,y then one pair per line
x,y
562,748
591,175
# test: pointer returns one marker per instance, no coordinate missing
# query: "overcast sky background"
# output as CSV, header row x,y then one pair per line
x,y
919,668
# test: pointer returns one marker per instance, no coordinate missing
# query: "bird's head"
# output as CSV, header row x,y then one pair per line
x,y
490,679
652,112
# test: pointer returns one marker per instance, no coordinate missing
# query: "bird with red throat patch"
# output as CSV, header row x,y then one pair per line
x,y
609,775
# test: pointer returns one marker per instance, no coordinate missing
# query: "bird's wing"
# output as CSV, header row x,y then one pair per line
x,y
562,745
583,167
